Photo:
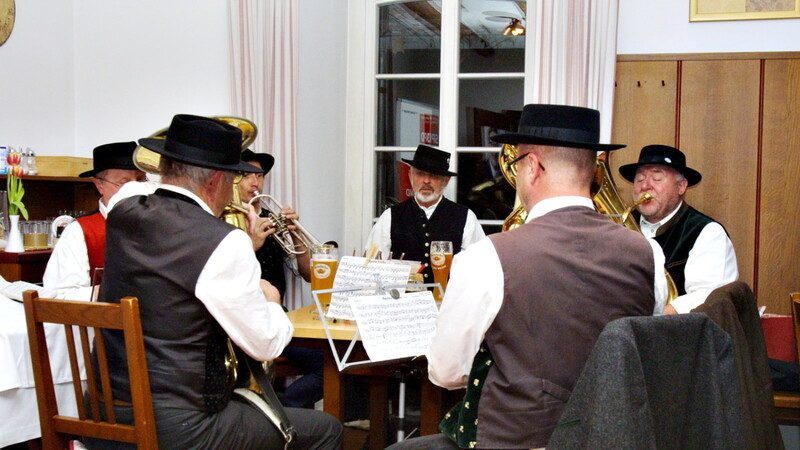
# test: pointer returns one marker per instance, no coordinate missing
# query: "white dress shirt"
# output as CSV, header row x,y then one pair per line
x,y
474,297
711,263
229,287
67,271
381,233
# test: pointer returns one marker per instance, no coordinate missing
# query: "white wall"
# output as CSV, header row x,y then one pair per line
x,y
37,79
139,63
662,26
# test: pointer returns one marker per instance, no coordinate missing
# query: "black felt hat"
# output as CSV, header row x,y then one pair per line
x,y
663,155
202,141
266,160
431,160
118,155
560,126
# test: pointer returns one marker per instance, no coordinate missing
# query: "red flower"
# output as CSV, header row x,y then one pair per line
x,y
14,158
17,171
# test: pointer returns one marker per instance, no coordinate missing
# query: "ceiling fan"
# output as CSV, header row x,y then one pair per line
x,y
516,25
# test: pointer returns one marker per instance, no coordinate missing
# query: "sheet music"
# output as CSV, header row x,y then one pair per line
x,y
352,274
395,328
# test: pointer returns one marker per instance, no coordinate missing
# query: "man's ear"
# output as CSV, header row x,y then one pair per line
x,y
682,186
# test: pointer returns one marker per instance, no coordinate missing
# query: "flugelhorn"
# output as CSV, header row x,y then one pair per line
x,y
285,237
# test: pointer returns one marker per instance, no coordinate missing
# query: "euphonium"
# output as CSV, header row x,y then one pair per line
x,y
285,237
604,195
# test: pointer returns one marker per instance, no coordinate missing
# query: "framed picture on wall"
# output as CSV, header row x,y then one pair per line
x,y
707,10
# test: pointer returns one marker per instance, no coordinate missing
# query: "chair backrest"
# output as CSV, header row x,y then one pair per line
x,y
57,429
794,299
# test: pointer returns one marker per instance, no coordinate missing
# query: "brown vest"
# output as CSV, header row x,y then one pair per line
x,y
566,275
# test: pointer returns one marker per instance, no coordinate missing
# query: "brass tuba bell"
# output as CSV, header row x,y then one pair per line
x,y
604,195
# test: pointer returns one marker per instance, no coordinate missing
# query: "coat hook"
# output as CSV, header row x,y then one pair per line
x,y
638,84
662,83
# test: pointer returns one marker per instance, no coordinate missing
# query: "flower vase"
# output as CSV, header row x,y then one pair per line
x,y
14,242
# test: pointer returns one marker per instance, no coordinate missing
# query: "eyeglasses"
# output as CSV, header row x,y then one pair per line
x,y
119,184
518,159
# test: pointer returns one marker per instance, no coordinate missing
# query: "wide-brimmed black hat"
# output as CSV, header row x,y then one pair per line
x,y
665,156
117,155
266,160
202,141
431,160
560,126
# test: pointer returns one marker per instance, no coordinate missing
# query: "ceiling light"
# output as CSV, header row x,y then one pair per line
x,y
515,28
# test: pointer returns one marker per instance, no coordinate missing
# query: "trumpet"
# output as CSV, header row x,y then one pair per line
x,y
285,237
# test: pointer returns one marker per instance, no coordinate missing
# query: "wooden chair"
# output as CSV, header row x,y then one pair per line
x,y
57,429
794,300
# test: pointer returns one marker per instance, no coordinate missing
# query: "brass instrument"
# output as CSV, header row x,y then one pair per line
x,y
285,237
604,195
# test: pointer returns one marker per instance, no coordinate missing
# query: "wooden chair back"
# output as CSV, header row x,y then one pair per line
x,y
794,299
57,429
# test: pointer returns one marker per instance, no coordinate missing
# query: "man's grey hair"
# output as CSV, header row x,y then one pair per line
x,y
193,176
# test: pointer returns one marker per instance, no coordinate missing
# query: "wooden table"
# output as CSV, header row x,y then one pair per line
x,y
27,266
308,332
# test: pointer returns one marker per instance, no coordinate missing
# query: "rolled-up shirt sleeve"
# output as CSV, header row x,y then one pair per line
x,y
229,287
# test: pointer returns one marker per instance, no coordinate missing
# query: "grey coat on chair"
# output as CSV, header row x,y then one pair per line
x,y
656,382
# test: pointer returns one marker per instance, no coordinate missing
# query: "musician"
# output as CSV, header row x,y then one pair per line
x,y
523,308
699,254
81,247
408,228
307,390
198,283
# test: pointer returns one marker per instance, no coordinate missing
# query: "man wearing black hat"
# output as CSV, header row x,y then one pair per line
x,y
81,247
307,390
699,254
524,308
408,227
198,284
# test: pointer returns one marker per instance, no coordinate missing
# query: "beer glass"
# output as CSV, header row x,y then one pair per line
x,y
441,260
324,262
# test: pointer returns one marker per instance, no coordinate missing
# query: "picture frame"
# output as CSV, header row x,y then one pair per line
x,y
715,10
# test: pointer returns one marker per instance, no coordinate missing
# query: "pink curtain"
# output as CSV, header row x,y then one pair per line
x,y
264,78
575,54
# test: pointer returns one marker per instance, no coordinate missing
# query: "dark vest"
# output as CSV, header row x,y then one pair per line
x,y
94,234
677,238
158,245
566,275
412,232
271,258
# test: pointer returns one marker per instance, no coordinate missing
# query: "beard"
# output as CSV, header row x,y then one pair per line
x,y
427,198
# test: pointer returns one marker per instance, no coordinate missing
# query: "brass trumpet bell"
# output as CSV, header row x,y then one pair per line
x,y
147,160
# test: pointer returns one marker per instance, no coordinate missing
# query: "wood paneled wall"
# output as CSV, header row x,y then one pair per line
x,y
737,119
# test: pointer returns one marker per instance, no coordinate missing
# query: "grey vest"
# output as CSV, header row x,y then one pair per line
x,y
157,247
566,275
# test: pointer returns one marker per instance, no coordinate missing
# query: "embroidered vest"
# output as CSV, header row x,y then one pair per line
x,y
677,238
160,244
575,272
412,232
94,234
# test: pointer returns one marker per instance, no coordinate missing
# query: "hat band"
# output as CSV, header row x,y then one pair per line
x,y
561,134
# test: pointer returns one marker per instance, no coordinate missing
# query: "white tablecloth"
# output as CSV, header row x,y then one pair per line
x,y
18,410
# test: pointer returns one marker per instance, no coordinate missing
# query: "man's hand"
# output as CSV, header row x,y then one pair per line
x,y
669,309
270,292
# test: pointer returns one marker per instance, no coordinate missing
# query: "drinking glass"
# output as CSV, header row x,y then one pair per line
x,y
441,260
324,262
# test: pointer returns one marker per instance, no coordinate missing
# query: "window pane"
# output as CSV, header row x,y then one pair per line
x,y
481,187
484,46
391,179
487,106
409,39
408,113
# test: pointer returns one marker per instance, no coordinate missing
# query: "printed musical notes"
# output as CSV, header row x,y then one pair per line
x,y
395,328
353,274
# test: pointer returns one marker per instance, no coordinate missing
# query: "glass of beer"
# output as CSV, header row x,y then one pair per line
x,y
324,262
441,260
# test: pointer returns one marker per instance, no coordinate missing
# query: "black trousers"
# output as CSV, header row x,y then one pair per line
x,y
239,426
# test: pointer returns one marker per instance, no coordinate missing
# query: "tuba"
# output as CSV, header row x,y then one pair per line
x,y
604,195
